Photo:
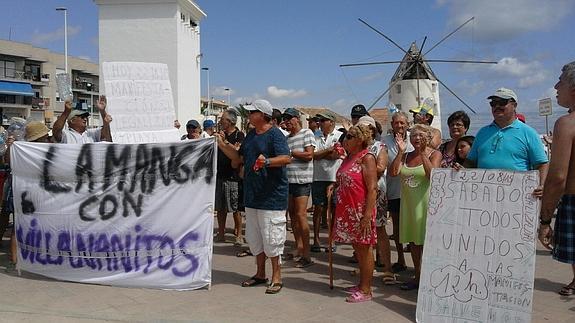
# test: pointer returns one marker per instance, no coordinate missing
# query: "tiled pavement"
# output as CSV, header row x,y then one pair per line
x,y
305,297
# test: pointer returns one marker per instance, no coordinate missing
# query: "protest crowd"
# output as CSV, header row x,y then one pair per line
x,y
363,183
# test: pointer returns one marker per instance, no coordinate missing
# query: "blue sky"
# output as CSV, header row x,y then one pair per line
x,y
288,51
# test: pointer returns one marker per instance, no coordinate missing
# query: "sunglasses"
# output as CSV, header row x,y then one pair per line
x,y
502,103
254,111
349,136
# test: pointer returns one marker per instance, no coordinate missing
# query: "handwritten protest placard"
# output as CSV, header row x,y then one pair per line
x,y
135,215
64,86
140,102
479,253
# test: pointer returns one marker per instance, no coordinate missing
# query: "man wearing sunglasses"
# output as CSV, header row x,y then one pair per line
x,y
508,143
77,132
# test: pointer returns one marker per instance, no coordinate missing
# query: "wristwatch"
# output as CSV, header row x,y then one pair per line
x,y
267,163
544,222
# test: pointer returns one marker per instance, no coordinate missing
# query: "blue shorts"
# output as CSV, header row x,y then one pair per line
x,y
564,235
297,190
319,192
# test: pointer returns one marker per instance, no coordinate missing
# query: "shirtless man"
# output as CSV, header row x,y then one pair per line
x,y
560,182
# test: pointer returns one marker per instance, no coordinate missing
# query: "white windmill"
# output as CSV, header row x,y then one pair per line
x,y
414,84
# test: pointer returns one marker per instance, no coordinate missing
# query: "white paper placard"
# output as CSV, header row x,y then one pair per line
x,y
140,102
136,215
479,252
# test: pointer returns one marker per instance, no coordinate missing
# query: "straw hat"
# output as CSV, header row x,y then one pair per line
x,y
35,130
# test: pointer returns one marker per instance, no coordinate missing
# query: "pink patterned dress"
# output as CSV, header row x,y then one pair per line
x,y
350,201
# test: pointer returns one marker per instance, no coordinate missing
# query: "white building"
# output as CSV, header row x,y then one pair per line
x,y
413,83
156,31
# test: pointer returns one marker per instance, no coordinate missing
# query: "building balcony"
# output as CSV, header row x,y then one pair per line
x,y
85,86
42,80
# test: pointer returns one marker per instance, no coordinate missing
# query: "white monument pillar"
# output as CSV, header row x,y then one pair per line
x,y
156,31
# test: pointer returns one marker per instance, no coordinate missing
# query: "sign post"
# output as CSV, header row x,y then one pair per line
x,y
546,109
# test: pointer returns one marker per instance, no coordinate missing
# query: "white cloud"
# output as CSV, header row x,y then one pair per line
x,y
471,88
497,20
278,93
528,73
39,38
549,93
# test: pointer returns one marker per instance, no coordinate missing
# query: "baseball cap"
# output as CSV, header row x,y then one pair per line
x,y
291,112
326,115
521,117
193,124
77,113
504,93
35,130
359,110
209,123
422,110
313,118
260,105
367,120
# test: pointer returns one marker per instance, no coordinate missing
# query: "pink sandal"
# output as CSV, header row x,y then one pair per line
x,y
358,297
352,289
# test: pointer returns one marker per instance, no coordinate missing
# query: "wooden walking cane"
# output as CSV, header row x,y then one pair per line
x,y
330,241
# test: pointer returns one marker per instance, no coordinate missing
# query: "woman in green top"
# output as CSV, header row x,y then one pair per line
x,y
415,169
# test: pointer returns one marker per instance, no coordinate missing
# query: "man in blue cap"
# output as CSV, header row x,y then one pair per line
x,y
209,128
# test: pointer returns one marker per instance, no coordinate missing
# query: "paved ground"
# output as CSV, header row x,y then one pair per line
x,y
306,296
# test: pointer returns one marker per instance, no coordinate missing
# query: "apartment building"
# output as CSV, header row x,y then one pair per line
x,y
28,83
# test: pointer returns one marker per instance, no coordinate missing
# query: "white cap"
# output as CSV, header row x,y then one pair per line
x,y
367,120
260,105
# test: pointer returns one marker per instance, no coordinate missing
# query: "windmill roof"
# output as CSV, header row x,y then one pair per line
x,y
411,68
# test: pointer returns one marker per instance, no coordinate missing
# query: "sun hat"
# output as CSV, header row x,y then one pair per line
x,y
326,115
192,124
77,113
209,123
291,112
367,120
35,130
358,111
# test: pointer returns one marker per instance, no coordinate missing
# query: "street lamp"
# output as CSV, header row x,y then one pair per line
x,y
209,99
65,36
228,90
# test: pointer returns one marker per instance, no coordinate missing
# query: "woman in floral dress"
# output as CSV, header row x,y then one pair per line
x,y
355,210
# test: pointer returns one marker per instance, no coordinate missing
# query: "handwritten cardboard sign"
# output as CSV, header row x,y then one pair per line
x,y
134,215
140,102
479,253
64,86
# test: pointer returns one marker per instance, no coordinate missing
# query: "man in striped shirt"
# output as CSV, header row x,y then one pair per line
x,y
301,143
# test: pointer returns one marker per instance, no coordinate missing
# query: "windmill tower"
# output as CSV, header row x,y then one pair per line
x,y
414,83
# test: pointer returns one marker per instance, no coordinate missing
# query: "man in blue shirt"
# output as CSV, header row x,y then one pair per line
x,y
508,143
264,154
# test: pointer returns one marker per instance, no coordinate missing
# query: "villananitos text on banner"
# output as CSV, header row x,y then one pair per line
x,y
135,215
479,253
140,102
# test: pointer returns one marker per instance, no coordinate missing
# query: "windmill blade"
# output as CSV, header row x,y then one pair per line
x,y
455,95
421,49
449,35
389,88
382,34
458,61
370,63
417,78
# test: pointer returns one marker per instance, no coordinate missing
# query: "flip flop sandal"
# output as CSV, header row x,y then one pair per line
x,y
389,278
409,286
244,253
274,288
315,248
254,281
358,297
567,290
303,263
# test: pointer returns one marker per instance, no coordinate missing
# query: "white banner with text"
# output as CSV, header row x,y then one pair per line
x,y
140,102
134,215
479,253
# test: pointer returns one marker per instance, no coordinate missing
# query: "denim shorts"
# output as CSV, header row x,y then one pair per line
x,y
297,190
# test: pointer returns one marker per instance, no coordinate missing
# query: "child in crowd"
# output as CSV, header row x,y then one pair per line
x,y
462,148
